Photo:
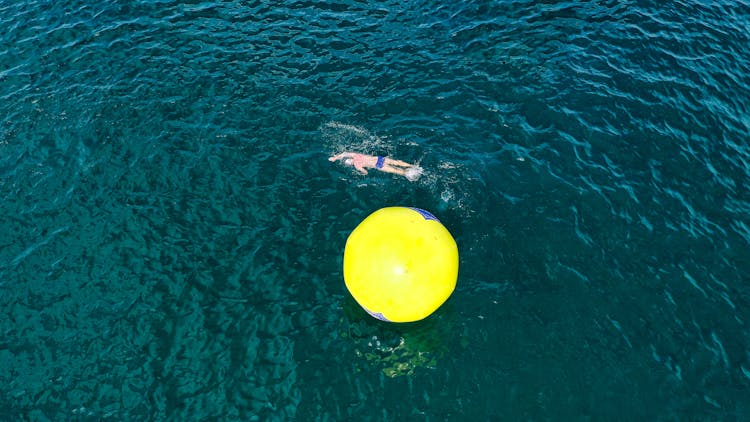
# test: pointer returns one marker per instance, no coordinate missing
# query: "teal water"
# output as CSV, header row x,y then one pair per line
x,y
172,233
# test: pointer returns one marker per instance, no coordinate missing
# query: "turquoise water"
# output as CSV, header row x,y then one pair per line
x,y
172,239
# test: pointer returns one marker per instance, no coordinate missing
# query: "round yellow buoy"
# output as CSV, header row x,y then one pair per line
x,y
400,264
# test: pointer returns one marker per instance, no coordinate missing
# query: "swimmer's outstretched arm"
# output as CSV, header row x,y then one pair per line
x,y
346,155
341,156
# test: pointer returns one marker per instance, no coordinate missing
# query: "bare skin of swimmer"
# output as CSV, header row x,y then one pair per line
x,y
362,162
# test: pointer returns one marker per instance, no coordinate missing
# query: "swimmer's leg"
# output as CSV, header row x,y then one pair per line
x,y
387,168
397,163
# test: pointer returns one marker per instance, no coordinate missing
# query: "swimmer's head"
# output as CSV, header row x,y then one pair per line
x,y
349,162
413,173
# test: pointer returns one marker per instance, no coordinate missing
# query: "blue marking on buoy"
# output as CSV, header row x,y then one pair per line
x,y
425,214
377,315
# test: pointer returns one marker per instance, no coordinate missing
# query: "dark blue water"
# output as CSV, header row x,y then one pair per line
x,y
172,234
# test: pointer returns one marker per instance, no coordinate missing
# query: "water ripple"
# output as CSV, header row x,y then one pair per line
x,y
170,211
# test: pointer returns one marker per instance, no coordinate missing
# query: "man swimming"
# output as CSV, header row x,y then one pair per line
x,y
361,162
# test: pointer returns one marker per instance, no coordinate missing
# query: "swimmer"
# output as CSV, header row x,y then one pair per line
x,y
362,162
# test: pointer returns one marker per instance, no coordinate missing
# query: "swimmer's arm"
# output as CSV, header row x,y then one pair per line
x,y
360,169
341,156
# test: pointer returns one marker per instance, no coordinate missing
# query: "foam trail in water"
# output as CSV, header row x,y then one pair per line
x,y
446,180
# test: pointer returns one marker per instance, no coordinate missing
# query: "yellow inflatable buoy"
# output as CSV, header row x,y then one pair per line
x,y
400,264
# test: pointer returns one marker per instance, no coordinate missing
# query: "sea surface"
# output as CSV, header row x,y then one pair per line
x,y
172,233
